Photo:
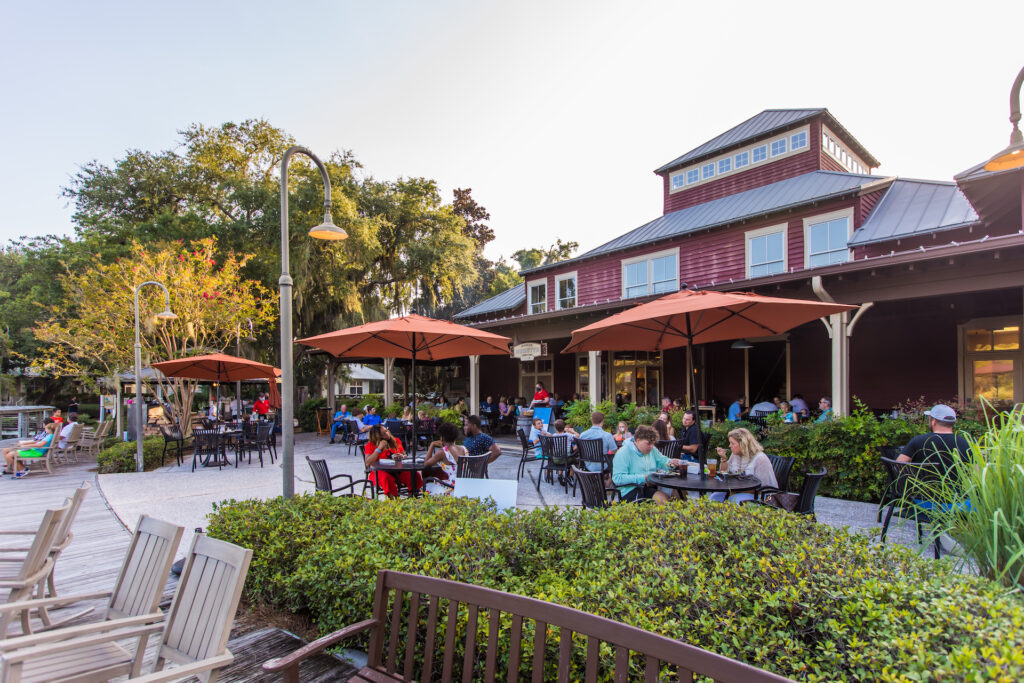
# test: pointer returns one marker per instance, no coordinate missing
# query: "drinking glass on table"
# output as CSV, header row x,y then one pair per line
x,y
712,467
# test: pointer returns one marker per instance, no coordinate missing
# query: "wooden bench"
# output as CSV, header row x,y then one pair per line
x,y
400,600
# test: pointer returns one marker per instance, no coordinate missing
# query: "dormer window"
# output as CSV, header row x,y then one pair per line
x,y
677,181
708,171
798,140
725,165
693,176
742,159
826,237
779,147
538,296
759,153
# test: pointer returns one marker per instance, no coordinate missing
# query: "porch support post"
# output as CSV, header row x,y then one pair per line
x,y
330,387
474,385
594,376
389,381
840,364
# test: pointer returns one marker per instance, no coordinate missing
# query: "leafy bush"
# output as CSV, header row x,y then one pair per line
x,y
307,413
90,409
775,590
120,457
450,415
393,410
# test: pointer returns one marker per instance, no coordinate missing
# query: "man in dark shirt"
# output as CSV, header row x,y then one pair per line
x,y
690,437
478,443
940,445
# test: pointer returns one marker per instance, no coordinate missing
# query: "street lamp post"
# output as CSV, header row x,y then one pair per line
x,y
140,423
238,352
326,231
1012,156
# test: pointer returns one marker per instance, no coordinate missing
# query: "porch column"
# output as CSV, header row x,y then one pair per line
x,y
389,381
331,389
474,385
840,364
594,376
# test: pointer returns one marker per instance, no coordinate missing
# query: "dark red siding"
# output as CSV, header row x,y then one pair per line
x,y
931,239
866,204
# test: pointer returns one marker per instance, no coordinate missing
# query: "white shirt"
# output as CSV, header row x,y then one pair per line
x,y
65,433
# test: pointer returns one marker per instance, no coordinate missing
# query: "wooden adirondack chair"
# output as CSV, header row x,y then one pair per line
x,y
139,585
69,451
194,635
46,460
21,578
61,541
92,440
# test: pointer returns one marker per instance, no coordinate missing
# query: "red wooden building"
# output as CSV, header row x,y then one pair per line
x,y
785,204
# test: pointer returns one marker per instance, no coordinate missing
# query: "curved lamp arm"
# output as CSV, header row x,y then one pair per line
x,y
1013,156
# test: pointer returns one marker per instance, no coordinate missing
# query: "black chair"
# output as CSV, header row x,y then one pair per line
x,y
554,458
907,479
206,445
472,467
670,449
592,487
529,453
351,437
426,430
760,423
592,450
172,435
324,481
782,465
890,492
805,502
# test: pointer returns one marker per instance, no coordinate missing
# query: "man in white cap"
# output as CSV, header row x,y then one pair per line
x,y
939,445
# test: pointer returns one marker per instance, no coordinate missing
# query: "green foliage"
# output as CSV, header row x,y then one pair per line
x,y
393,410
578,414
774,590
120,457
307,413
450,415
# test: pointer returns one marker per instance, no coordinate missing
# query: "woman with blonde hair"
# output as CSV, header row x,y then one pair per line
x,y
746,455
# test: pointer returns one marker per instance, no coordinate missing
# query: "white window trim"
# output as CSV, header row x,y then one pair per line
x,y
808,222
650,275
761,232
732,155
964,357
529,299
560,278
842,147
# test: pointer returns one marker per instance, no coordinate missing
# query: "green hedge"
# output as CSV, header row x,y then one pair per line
x,y
772,589
120,457
307,413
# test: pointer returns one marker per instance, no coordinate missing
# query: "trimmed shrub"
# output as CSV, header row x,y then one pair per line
x,y
120,457
307,413
775,590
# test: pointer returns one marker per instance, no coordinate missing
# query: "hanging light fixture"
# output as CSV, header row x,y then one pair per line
x,y
742,344
1012,156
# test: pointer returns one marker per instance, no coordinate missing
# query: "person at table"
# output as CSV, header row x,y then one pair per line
x,y
596,431
478,443
537,431
506,409
407,414
762,408
381,445
371,417
661,428
562,428
622,433
488,407
460,407
825,405
788,416
663,416
746,455
338,421
362,429
33,449
261,406
737,411
540,396
940,446
443,456
635,461
666,404
690,437
800,407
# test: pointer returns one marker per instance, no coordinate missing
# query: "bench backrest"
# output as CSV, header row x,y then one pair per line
x,y
454,611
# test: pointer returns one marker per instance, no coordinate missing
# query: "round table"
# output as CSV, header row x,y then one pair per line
x,y
403,466
723,483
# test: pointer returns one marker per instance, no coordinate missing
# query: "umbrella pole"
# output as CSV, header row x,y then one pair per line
x,y
413,371
702,456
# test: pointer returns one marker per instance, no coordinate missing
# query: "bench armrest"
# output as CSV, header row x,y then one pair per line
x,y
179,672
63,639
288,661
51,602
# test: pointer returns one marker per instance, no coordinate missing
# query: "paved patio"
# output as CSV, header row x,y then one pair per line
x,y
178,494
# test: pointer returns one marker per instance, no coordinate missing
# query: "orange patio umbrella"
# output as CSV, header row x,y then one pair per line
x,y
220,367
686,317
411,336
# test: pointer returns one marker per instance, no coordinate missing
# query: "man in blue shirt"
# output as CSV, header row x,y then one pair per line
x,y
476,442
736,411
372,418
826,409
597,431
488,407
338,421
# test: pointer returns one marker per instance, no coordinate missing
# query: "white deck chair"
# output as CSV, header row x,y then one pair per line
x,y
22,577
194,635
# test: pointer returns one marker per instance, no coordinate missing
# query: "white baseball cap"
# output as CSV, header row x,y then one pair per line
x,y
942,413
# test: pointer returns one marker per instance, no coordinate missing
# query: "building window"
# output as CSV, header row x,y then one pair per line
x,y
725,165
651,274
742,159
693,176
798,140
636,376
992,361
778,147
708,171
355,389
538,297
565,291
540,369
678,180
759,153
826,238
766,251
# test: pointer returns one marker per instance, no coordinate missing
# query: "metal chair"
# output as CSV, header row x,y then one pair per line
x,y
592,488
592,451
670,448
906,479
471,467
555,458
172,435
324,480
782,465
205,445
529,453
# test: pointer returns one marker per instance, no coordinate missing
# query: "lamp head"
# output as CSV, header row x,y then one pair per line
x,y
1011,157
166,315
741,344
328,230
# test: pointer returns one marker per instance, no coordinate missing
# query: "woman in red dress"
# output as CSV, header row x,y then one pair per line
x,y
381,444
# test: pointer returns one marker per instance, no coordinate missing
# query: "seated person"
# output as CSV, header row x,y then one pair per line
x,y
362,429
66,430
661,428
443,456
32,449
800,407
762,408
736,411
940,446
537,431
506,408
826,409
488,407
562,428
663,416
476,442
622,433
371,418
338,421
635,461
788,416
666,404
690,436
382,445
746,455
56,416
596,431
407,414
460,407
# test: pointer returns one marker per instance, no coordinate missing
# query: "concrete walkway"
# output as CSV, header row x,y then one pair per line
x,y
178,494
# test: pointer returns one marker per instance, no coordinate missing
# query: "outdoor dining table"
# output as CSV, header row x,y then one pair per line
x,y
396,467
223,436
727,483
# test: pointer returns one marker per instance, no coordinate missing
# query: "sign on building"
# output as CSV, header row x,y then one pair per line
x,y
529,350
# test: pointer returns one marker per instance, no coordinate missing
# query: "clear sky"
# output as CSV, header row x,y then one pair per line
x,y
554,112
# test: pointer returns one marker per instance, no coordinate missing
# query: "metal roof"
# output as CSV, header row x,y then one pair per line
x,y
914,207
763,124
510,298
792,192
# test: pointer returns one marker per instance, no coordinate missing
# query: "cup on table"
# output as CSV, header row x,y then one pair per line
x,y
712,467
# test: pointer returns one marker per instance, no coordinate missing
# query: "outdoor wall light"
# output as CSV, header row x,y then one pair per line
x,y
742,344
328,230
1012,156
166,314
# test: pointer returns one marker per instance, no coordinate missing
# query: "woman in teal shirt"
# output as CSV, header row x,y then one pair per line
x,y
635,461
35,449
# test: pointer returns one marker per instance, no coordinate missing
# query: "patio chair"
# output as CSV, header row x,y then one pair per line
x,y
93,439
173,441
205,445
592,451
259,437
889,493
472,467
46,460
61,541
323,421
69,451
592,488
529,453
907,479
554,458
138,588
782,465
22,577
670,449
809,491
324,480
194,635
